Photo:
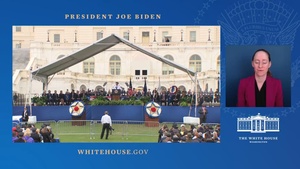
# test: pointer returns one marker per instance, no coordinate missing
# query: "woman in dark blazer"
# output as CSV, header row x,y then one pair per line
x,y
260,89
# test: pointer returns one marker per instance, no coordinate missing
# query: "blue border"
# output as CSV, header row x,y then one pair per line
x,y
231,152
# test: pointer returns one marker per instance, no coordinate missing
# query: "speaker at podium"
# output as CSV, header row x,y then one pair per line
x,y
115,94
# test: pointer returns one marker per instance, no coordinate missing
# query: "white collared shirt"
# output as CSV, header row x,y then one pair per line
x,y
117,87
106,119
25,113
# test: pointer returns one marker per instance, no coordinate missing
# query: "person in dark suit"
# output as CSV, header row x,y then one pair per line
x,y
61,98
25,115
73,96
163,98
67,97
36,137
49,98
203,113
260,89
45,132
55,98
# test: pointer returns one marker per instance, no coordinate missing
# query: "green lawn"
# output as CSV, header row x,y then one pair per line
x,y
68,131
89,131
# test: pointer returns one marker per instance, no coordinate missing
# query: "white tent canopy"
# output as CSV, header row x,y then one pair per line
x,y
101,45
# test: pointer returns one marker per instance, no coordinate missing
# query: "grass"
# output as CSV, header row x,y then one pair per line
x,y
89,132
111,139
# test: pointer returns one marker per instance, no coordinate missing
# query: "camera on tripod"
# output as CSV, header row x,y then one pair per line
x,y
111,130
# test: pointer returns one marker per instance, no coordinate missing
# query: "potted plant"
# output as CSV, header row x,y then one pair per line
x,y
34,100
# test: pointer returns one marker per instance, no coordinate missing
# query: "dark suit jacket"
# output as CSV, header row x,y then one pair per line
x,y
246,92
25,116
202,113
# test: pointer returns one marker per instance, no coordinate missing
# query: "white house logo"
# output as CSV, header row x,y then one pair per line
x,y
258,124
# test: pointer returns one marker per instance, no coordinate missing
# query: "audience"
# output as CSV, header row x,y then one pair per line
x,y
204,133
27,136
165,98
26,133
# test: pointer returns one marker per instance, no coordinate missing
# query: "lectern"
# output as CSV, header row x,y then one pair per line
x,y
115,95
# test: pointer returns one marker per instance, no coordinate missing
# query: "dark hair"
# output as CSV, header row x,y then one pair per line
x,y
269,57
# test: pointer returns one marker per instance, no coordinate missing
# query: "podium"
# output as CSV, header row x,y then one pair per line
x,y
31,120
115,94
191,120
79,120
151,122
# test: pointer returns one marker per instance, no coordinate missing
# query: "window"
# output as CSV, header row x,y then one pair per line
x,y
18,28
99,35
89,65
126,35
195,63
181,88
192,36
163,89
137,72
164,33
166,69
82,88
18,45
72,87
145,37
98,88
144,72
115,65
57,38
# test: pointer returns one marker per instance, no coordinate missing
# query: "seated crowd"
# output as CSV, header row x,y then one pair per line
x,y
28,133
203,133
166,98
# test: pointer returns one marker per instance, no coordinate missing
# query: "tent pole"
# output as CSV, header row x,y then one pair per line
x,y
46,84
30,90
196,97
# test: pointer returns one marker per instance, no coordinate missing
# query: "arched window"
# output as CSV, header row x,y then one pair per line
x,y
82,87
166,69
195,63
115,65
181,88
72,87
89,65
218,64
163,89
98,88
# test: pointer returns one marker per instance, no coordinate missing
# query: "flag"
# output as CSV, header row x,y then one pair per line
x,y
130,84
145,88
